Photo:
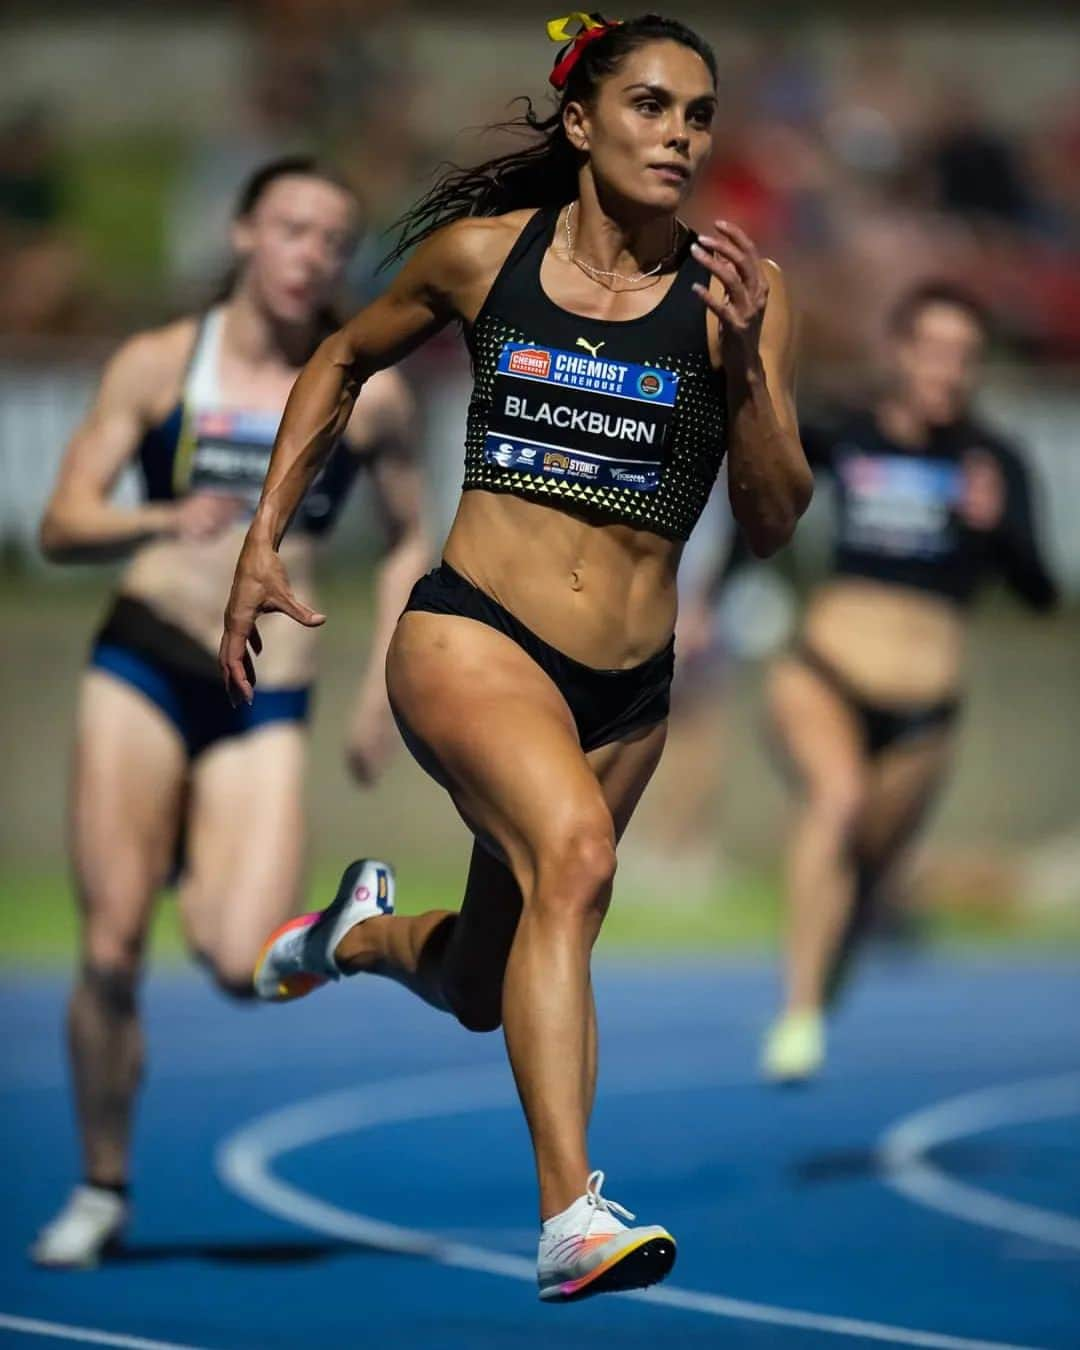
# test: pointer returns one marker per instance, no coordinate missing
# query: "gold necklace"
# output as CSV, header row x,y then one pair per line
x,y
597,272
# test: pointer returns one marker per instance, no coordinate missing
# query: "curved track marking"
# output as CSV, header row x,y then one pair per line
x,y
57,1331
245,1163
906,1169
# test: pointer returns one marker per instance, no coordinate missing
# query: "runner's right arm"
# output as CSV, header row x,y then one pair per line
x,y
80,522
422,299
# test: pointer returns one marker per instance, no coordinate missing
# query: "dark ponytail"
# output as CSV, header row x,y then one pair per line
x,y
252,192
545,171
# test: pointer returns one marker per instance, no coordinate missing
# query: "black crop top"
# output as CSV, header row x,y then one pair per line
x,y
898,518
624,419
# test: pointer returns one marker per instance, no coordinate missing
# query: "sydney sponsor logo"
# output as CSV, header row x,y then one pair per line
x,y
556,462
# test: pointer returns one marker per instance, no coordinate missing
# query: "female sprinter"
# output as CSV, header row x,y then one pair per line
x,y
614,358
160,754
929,502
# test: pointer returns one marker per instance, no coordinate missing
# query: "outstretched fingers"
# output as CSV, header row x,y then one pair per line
x,y
282,601
237,667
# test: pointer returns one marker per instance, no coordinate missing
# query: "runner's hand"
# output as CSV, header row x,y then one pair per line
x,y
694,629
205,514
982,503
260,586
729,254
372,738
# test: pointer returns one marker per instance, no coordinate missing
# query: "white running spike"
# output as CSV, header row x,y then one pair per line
x,y
90,1222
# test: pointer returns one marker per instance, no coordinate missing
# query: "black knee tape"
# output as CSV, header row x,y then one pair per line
x,y
478,1007
474,1006
114,987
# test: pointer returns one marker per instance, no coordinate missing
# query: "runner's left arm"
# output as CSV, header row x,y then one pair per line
x,y
769,481
1023,563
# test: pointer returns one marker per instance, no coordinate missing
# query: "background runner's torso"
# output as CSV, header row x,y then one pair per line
x,y
905,564
215,433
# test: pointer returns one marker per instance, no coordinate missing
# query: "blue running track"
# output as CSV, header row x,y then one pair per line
x,y
353,1170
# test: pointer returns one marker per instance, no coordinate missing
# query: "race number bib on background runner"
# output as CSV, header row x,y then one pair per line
x,y
232,453
901,505
580,418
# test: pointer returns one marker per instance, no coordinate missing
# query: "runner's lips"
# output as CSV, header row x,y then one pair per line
x,y
675,171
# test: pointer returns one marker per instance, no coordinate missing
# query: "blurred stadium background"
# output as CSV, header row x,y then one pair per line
x,y
864,147
862,152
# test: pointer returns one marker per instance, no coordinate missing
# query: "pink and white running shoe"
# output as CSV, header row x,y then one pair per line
x,y
299,956
587,1250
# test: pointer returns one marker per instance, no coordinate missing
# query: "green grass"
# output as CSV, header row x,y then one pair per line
x,y
39,923
1015,786
1051,931
38,920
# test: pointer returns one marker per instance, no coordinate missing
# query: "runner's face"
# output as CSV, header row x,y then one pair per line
x,y
295,244
649,130
939,362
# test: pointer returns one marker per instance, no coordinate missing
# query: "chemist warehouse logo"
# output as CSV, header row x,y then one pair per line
x,y
530,361
649,385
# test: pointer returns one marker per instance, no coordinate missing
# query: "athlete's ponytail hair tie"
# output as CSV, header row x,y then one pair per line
x,y
592,27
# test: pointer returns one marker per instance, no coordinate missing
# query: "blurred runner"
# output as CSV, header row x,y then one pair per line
x,y
931,503
163,763
530,674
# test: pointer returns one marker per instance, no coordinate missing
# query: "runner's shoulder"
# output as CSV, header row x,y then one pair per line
x,y
473,247
151,360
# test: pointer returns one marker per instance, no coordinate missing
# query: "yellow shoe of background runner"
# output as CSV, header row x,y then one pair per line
x,y
794,1048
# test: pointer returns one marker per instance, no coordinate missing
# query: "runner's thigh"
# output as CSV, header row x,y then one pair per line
x,y
904,784
819,736
491,725
246,834
127,788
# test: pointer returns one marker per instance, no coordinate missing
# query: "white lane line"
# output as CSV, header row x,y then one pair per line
x,y
245,1163
906,1169
31,1326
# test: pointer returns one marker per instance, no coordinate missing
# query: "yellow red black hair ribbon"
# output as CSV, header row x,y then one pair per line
x,y
592,27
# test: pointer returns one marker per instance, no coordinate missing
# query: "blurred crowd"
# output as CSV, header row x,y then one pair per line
x,y
865,186
856,177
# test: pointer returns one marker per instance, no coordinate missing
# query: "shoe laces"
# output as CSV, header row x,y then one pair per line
x,y
601,1202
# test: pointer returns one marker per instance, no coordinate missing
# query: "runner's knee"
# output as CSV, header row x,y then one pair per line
x,y
114,928
576,866
836,801
113,987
